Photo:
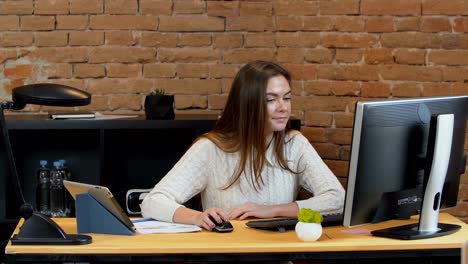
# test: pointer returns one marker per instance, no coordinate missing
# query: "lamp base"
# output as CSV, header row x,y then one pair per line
x,y
39,229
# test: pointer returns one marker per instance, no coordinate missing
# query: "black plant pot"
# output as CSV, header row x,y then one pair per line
x,y
159,106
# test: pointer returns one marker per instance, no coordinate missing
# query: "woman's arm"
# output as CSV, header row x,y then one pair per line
x,y
186,179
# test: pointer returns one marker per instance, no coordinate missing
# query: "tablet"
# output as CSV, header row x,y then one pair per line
x,y
103,195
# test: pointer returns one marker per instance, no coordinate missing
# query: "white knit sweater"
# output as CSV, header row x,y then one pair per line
x,y
206,169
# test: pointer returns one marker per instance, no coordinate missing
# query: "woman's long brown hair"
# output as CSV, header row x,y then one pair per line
x,y
241,127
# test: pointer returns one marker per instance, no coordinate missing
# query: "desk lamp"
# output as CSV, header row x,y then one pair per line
x,y
38,229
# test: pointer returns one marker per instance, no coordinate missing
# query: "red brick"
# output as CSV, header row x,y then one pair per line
x,y
454,41
160,70
155,7
378,56
16,39
339,135
121,54
435,24
319,119
121,22
118,70
319,55
349,55
8,23
256,8
317,88
407,89
17,7
349,24
436,89
287,23
120,7
223,71
125,101
410,73
345,72
343,119
297,39
391,7
315,23
150,39
314,134
301,71
339,7
188,55
122,38
60,55
56,7
247,55
338,167
56,71
345,88
51,39
20,71
249,23
223,8
75,22
410,56
86,6
89,70
290,55
441,7
195,39
461,89
448,57
189,86
410,40
191,101
231,40
191,23
455,74
37,23
86,38
460,25
375,89
324,103
259,40
380,24
349,40
327,150
192,70
10,84
189,7
407,24
296,8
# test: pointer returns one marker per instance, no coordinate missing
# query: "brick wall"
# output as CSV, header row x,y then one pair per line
x,y
339,52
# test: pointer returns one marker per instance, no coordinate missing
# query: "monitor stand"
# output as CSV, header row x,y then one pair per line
x,y
442,131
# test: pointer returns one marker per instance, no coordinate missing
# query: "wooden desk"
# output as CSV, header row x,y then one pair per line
x,y
244,243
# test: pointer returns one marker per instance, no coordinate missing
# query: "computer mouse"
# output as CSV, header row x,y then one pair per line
x,y
223,227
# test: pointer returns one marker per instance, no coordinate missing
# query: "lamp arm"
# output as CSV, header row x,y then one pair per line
x,y
26,209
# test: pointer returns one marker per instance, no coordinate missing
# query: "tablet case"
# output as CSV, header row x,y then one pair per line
x,y
93,217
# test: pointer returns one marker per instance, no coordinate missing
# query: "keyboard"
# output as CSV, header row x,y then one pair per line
x,y
288,223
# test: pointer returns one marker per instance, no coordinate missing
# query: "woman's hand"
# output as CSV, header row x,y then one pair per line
x,y
252,210
203,220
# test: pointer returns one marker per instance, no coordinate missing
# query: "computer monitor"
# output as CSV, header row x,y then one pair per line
x,y
407,156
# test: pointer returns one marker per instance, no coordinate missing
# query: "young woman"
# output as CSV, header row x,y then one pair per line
x,y
251,164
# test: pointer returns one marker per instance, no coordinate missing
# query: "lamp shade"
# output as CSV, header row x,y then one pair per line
x,y
49,94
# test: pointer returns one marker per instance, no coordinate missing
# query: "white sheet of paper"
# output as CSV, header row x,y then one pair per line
x,y
151,226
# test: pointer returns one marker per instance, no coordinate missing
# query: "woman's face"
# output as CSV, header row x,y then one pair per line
x,y
278,95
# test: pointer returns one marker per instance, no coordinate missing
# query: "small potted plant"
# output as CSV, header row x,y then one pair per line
x,y
309,227
159,105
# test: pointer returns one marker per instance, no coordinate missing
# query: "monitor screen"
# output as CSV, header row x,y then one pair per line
x,y
390,161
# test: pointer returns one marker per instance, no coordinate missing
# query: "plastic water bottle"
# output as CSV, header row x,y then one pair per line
x,y
69,204
42,188
57,191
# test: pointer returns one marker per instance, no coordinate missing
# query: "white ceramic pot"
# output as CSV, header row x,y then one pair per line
x,y
308,231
